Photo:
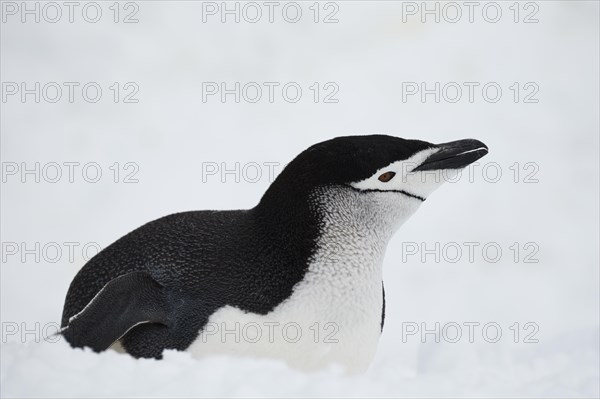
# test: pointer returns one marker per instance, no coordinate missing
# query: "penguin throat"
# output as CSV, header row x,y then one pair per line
x,y
359,216
355,229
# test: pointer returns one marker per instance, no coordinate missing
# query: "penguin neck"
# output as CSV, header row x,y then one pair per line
x,y
354,234
339,229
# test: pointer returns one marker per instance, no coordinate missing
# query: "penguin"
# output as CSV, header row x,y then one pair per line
x,y
298,277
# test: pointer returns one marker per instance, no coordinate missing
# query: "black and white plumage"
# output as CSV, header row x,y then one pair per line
x,y
310,252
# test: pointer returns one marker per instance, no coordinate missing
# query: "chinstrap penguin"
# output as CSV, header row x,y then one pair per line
x,y
297,277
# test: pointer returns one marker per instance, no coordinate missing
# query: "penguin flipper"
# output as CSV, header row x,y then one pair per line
x,y
123,303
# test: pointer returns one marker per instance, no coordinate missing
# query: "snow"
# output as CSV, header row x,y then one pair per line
x,y
171,135
54,370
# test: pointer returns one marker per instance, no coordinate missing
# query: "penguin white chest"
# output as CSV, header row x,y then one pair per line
x,y
333,315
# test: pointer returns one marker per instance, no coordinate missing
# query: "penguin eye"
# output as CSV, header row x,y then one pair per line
x,y
387,176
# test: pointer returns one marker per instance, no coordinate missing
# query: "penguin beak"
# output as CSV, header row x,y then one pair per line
x,y
454,155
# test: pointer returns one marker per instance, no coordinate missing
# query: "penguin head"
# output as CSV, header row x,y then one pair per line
x,y
377,175
413,168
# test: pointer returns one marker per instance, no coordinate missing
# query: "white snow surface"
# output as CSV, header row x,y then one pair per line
x,y
55,370
170,133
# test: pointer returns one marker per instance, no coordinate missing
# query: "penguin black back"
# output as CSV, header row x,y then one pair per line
x,y
205,260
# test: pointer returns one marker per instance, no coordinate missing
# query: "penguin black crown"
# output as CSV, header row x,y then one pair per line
x,y
297,277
